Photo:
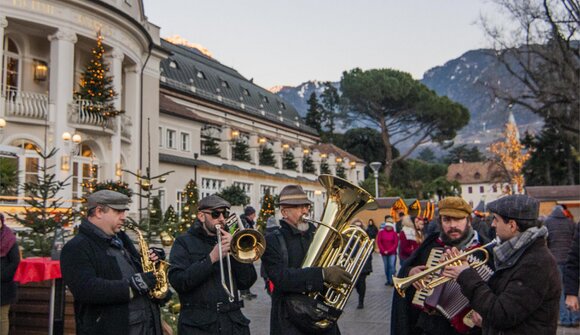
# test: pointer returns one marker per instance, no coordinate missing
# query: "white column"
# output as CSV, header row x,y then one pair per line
x,y
3,24
61,85
298,157
226,143
115,60
132,110
254,149
277,148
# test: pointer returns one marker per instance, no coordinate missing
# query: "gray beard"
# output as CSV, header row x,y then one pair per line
x,y
302,226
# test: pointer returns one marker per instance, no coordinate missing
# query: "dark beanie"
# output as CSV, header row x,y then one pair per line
x,y
249,210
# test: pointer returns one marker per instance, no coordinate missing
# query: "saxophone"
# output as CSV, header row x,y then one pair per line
x,y
158,268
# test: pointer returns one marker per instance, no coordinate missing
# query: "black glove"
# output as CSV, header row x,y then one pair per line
x,y
158,251
336,275
142,282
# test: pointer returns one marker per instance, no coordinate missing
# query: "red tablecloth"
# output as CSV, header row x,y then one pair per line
x,y
36,269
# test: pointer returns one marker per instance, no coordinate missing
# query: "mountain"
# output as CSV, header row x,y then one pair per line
x,y
466,80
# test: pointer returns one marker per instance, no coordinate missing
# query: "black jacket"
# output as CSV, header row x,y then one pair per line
x,y
572,271
8,266
198,283
292,278
100,293
560,234
522,299
247,222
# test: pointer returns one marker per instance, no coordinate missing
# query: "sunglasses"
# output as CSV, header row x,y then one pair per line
x,y
216,214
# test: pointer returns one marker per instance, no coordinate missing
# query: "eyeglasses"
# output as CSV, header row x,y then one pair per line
x,y
216,214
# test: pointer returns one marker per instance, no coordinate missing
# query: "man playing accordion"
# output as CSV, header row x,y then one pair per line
x,y
442,310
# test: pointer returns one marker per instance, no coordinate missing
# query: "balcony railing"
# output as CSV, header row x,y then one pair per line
x,y
82,114
26,104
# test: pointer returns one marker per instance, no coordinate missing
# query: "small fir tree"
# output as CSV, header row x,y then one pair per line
x,y
288,162
96,86
324,168
189,206
170,221
267,156
308,164
210,146
235,195
241,151
8,176
266,211
155,220
340,171
45,213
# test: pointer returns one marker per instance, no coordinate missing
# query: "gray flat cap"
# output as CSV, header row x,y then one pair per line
x,y
213,202
521,207
293,195
109,198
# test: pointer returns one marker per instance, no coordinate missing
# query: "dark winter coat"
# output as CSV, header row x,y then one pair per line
x,y
247,222
292,278
372,231
560,234
406,319
572,270
101,295
522,299
8,266
198,283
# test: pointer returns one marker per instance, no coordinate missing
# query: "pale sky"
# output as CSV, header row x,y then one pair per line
x,y
288,42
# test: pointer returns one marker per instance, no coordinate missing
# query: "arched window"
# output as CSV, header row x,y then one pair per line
x,y
85,173
28,163
12,68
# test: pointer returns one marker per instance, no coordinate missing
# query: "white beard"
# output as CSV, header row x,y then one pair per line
x,y
302,226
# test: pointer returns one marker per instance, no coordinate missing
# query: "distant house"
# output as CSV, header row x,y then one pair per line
x,y
550,196
480,181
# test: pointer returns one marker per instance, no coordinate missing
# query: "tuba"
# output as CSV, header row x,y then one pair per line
x,y
159,268
337,243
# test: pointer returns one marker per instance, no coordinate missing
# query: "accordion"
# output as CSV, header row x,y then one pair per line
x,y
447,298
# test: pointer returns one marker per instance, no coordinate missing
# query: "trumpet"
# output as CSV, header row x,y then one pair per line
x,y
247,246
430,278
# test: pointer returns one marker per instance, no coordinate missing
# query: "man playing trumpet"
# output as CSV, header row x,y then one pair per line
x,y
416,313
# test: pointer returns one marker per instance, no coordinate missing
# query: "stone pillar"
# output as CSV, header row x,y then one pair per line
x,y
61,83
298,157
226,143
133,111
277,148
115,60
3,24
254,149
315,155
332,164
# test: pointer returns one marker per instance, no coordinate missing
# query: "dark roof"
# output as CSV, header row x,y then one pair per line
x,y
189,71
474,172
565,192
329,148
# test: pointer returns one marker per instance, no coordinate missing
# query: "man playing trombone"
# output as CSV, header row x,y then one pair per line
x,y
195,273
419,311
522,296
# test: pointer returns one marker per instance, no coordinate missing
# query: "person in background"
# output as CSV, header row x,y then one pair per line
x,y
249,222
572,273
271,225
388,240
560,236
361,283
433,226
9,260
372,230
399,224
410,237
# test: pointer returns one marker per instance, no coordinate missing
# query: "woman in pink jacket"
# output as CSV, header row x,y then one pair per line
x,y
411,236
387,241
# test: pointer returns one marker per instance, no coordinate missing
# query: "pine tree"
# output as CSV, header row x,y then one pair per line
x,y
210,146
170,221
155,220
340,171
235,195
45,212
330,104
314,114
267,156
324,168
189,206
241,151
308,164
96,86
288,162
266,211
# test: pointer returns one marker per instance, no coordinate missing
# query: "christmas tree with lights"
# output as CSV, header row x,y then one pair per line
x,y
170,221
96,87
266,211
189,206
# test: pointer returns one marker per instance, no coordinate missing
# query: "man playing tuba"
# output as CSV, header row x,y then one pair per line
x,y
285,251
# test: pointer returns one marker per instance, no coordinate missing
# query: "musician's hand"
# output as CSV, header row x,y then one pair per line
x,y
156,254
417,284
336,275
454,270
476,318
572,303
225,246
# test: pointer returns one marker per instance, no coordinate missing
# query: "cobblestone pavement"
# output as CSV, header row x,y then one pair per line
x,y
374,319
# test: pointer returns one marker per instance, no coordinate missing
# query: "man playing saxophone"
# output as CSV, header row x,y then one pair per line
x,y
195,274
102,268
409,316
285,251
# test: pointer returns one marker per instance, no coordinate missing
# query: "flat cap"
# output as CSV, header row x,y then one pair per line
x,y
108,198
517,206
293,195
212,202
454,207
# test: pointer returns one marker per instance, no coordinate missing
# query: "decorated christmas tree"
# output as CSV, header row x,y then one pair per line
x,y
266,211
96,86
155,219
170,221
189,209
512,156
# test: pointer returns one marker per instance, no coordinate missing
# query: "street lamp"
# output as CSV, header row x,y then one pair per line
x,y
376,167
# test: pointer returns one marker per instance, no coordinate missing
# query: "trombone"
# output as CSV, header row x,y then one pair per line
x,y
247,246
428,277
